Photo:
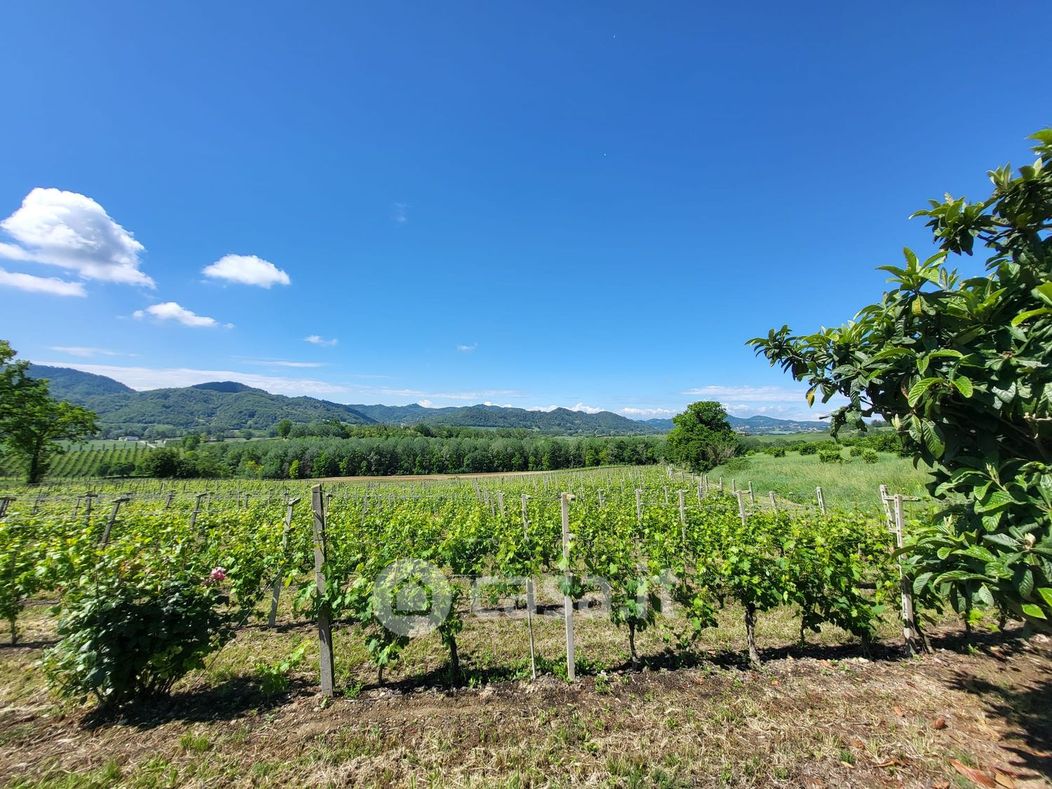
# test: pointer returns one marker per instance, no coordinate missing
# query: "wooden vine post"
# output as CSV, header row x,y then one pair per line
x,y
279,575
197,510
639,506
324,614
88,499
821,500
531,603
774,501
568,580
909,622
741,506
752,496
112,519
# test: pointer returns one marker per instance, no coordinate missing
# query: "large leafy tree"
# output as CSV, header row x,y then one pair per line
x,y
963,368
32,423
701,437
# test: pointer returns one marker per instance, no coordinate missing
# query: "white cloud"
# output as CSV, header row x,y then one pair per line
x,y
467,348
400,213
31,284
284,363
247,270
647,413
425,403
86,352
171,311
480,396
70,230
315,339
587,409
776,401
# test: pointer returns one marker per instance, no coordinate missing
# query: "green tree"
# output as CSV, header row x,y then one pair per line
x,y
32,423
283,428
702,437
963,369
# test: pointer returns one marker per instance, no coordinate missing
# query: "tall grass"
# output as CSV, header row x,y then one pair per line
x,y
851,484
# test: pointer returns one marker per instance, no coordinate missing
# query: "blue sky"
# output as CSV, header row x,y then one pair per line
x,y
590,205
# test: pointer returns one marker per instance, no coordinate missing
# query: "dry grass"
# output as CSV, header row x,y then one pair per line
x,y
819,715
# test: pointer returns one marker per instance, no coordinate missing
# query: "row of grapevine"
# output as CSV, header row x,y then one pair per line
x,y
639,541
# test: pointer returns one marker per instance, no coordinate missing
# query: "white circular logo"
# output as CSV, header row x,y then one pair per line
x,y
411,597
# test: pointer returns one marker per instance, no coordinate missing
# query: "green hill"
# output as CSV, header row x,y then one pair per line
x,y
227,406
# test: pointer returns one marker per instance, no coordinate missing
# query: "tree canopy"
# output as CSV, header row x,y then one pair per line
x,y
701,437
32,423
962,367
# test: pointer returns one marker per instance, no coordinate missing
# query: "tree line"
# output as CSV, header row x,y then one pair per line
x,y
403,452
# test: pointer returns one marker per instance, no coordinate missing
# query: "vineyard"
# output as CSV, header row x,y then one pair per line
x,y
636,544
103,458
625,570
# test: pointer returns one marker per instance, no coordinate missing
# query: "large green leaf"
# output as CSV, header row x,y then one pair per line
x,y
918,389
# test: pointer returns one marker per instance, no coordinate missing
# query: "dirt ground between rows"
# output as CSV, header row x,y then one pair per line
x,y
977,714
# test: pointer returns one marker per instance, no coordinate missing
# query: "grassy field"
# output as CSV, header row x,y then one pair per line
x,y
851,484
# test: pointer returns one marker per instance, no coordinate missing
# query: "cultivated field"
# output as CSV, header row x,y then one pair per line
x,y
691,709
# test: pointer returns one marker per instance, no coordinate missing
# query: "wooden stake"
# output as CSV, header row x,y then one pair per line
x,y
571,674
885,502
752,497
741,505
324,614
112,519
821,500
639,506
531,602
774,502
197,510
909,622
88,499
279,577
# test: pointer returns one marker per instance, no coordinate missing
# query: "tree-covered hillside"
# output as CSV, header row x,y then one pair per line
x,y
226,407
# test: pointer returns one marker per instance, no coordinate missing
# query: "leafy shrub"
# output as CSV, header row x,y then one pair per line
x,y
134,632
869,456
830,455
855,451
776,451
810,448
962,368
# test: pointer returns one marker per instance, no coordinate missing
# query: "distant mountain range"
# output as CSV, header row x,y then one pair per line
x,y
227,406
757,425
